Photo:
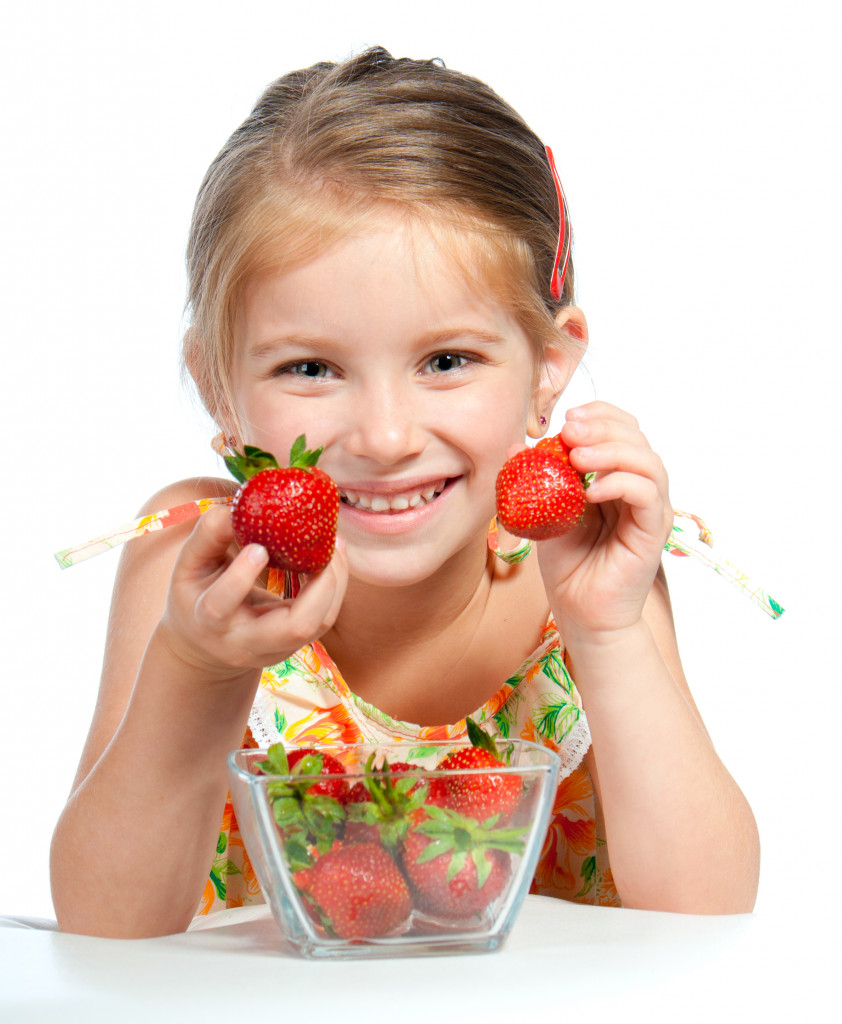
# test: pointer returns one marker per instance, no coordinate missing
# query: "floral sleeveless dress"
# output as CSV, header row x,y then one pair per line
x,y
304,701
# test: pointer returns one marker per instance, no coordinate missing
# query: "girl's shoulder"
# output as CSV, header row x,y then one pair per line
x,y
182,492
163,523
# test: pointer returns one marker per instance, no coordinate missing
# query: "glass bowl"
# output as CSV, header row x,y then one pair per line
x,y
388,854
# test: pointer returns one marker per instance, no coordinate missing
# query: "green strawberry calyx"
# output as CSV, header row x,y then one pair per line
x,y
393,800
308,820
452,833
251,461
480,738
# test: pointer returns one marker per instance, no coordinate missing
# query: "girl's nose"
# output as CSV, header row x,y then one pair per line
x,y
385,427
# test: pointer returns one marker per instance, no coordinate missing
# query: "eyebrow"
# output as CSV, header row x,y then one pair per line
x,y
432,339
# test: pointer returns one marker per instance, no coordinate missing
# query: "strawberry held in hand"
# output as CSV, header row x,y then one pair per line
x,y
292,511
539,494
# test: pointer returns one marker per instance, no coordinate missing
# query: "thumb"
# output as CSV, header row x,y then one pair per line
x,y
206,548
514,449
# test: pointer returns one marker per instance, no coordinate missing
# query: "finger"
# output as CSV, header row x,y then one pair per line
x,y
646,501
597,430
599,410
206,549
615,456
231,588
292,624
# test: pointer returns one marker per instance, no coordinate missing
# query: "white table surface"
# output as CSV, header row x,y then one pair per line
x,y
562,961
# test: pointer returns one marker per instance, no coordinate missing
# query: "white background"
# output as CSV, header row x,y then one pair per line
x,y
699,146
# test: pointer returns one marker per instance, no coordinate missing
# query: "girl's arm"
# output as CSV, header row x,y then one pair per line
x,y
190,629
681,836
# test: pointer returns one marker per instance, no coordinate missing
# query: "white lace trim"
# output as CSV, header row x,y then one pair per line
x,y
262,720
264,729
573,747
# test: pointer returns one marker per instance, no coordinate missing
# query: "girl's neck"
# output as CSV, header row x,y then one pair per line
x,y
434,652
378,619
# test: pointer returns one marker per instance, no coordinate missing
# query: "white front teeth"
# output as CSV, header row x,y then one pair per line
x,y
395,503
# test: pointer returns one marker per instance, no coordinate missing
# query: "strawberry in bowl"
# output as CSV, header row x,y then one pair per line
x,y
427,847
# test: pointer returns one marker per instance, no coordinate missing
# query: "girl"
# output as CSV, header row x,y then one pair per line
x,y
378,260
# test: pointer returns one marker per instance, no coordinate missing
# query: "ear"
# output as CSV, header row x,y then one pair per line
x,y
561,357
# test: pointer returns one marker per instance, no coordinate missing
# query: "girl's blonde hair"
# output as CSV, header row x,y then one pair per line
x,y
327,147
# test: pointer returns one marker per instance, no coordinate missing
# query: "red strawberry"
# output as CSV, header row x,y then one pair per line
x,y
359,831
358,890
336,788
455,867
310,815
539,494
556,446
478,796
292,512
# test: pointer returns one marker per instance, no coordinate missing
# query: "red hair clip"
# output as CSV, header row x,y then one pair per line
x,y
562,254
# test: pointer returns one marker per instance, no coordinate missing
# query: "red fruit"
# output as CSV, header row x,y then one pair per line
x,y
336,788
360,831
292,512
555,446
405,766
357,794
358,889
476,796
310,815
457,883
539,494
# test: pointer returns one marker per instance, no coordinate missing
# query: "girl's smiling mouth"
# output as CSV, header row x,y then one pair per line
x,y
393,501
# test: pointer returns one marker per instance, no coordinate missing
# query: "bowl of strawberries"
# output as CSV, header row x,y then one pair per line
x,y
396,849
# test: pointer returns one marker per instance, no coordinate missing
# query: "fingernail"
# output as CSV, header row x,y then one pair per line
x,y
257,554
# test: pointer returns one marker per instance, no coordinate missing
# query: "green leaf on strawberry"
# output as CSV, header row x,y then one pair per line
x,y
384,806
252,461
455,866
309,812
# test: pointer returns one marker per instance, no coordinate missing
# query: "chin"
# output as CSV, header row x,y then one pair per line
x,y
393,569
372,572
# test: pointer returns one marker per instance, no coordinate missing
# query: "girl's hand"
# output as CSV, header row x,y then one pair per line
x,y
221,620
599,575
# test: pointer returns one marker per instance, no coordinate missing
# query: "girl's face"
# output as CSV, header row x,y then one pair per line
x,y
412,378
